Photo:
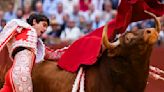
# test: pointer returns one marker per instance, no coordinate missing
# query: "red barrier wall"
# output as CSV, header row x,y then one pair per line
x,y
157,59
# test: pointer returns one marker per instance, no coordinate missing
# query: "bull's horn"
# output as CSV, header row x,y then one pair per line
x,y
106,43
157,22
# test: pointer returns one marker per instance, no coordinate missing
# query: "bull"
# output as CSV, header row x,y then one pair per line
x,y
122,67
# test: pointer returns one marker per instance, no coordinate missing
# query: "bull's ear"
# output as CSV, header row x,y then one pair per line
x,y
113,52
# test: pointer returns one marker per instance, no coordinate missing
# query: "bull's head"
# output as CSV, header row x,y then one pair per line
x,y
133,41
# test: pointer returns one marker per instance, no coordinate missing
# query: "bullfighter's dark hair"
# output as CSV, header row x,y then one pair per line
x,y
38,17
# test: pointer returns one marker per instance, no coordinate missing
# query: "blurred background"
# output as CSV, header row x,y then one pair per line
x,y
72,19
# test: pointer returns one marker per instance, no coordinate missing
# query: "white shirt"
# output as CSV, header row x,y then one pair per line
x,y
40,51
71,34
68,5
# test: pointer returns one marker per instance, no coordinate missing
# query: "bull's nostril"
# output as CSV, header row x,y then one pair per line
x,y
148,31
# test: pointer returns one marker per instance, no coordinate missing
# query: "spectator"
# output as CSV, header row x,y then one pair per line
x,y
72,32
19,13
88,27
147,23
98,4
161,37
114,3
76,13
161,34
108,12
33,4
1,14
68,5
27,11
3,23
133,26
54,32
84,4
65,21
39,7
98,22
59,13
10,14
82,23
91,13
49,6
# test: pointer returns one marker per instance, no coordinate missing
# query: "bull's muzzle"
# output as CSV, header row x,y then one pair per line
x,y
151,35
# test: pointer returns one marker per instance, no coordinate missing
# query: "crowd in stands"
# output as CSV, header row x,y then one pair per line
x,y
72,19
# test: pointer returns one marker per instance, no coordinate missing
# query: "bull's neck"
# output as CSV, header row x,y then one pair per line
x,y
119,73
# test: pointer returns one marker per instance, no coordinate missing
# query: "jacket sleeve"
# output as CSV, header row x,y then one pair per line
x,y
51,54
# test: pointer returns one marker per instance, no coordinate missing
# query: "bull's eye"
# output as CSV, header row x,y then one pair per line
x,y
127,40
148,31
129,37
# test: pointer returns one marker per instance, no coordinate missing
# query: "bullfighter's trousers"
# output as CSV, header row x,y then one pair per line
x,y
18,78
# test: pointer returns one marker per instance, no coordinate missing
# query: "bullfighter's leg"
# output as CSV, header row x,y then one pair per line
x,y
21,71
19,78
7,85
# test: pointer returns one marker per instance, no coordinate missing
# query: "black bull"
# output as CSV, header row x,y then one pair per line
x,y
122,67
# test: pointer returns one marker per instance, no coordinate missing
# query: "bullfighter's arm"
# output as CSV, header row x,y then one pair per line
x,y
51,54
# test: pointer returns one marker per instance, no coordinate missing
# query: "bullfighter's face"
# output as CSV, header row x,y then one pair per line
x,y
40,27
